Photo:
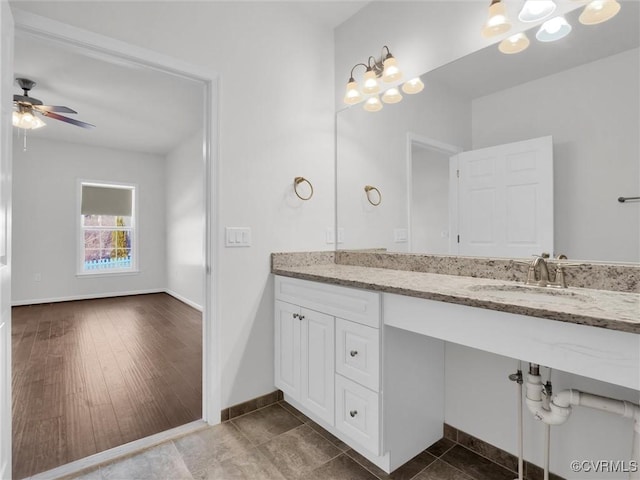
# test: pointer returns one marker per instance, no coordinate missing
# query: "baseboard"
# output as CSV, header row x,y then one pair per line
x,y
89,296
177,296
249,406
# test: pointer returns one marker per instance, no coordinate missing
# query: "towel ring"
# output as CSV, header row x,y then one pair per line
x,y
367,190
297,181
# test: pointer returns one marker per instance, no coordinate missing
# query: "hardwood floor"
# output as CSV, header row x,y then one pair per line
x,y
93,374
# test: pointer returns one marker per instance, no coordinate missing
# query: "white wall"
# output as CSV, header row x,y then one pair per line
x,y
185,221
372,149
45,225
276,122
592,167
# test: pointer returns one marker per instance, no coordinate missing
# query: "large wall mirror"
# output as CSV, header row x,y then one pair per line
x,y
581,94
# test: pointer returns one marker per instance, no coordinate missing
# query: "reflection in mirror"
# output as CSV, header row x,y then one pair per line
x,y
582,91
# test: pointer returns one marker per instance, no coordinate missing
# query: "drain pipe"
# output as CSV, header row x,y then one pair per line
x,y
559,408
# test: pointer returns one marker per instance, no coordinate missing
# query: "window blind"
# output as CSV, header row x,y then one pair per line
x,y
106,201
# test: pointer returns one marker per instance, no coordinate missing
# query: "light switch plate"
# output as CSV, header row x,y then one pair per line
x,y
237,237
400,235
330,235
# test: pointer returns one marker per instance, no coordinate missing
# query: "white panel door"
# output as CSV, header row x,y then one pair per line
x,y
287,348
317,393
6,87
505,199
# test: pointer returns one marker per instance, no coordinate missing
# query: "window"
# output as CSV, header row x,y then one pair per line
x,y
107,228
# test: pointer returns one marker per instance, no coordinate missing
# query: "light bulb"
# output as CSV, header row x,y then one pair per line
x,y
599,11
514,44
27,120
391,72
373,104
352,96
497,22
391,96
535,10
412,86
553,30
370,83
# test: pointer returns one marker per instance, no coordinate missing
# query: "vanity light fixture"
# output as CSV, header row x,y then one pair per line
x,y
413,86
553,30
536,10
497,23
599,11
514,44
373,104
392,95
386,69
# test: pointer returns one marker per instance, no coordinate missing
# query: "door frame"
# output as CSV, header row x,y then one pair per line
x,y
109,48
446,149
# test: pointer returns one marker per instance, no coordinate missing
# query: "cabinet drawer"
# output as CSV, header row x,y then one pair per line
x,y
358,353
353,304
357,413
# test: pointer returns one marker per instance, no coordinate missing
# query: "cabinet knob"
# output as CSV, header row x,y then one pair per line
x,y
353,353
295,315
300,317
353,413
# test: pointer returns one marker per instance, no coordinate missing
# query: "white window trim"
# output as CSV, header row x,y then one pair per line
x,y
135,258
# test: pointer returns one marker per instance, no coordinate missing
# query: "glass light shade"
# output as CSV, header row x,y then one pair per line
x,y
553,30
412,86
391,72
392,96
497,22
370,83
599,11
514,44
26,120
373,104
535,10
352,96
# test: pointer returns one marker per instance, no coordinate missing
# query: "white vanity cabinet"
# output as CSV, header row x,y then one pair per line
x,y
305,358
379,389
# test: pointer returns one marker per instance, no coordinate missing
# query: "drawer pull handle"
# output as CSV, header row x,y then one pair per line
x,y
295,315
353,353
353,413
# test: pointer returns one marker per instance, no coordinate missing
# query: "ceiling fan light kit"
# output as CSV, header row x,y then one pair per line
x,y
26,108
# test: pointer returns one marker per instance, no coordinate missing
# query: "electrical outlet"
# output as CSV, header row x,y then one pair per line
x,y
400,235
37,277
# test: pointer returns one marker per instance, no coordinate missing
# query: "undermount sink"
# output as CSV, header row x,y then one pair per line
x,y
530,292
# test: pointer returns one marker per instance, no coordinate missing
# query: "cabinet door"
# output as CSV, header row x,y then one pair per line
x,y
287,348
317,350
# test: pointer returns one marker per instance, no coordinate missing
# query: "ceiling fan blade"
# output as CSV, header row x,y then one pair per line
x,y
53,108
68,120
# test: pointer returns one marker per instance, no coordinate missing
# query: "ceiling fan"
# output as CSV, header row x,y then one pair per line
x,y
26,108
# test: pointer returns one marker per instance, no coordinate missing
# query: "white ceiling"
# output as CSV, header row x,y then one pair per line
x,y
134,108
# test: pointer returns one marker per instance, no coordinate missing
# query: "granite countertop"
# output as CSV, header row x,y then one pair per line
x,y
599,308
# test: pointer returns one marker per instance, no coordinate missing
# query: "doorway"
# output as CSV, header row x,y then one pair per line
x,y
431,197
76,39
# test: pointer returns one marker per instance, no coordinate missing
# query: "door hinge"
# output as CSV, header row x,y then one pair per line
x,y
458,173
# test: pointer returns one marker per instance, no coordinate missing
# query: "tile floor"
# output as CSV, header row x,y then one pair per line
x,y
278,442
